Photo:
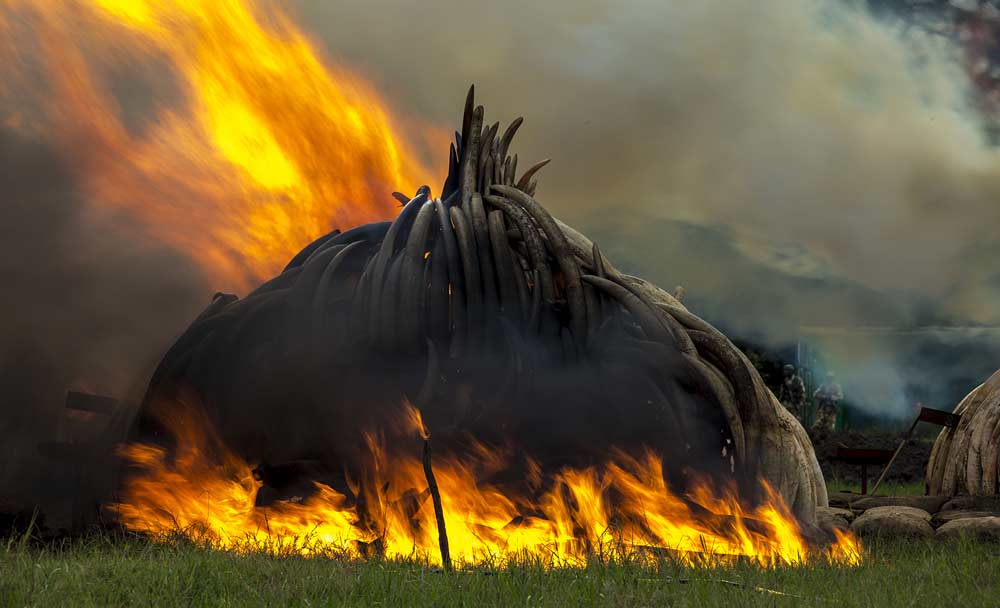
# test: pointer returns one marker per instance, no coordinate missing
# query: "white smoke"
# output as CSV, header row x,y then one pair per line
x,y
825,144
803,124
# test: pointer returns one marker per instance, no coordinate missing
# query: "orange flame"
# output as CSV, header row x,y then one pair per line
x,y
266,149
621,510
415,420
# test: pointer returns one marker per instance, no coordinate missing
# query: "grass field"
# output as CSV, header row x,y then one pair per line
x,y
129,571
105,571
886,489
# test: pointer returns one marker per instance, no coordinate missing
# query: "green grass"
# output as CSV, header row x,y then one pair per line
x,y
915,488
106,571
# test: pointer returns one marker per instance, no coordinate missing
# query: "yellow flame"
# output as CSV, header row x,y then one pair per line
x,y
267,148
621,509
415,421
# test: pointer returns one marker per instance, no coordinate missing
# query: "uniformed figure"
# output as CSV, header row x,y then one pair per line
x,y
827,397
792,394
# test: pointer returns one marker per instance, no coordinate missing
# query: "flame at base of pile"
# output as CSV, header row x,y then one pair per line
x,y
621,510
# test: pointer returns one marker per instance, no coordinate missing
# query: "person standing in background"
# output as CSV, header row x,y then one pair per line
x,y
792,394
828,397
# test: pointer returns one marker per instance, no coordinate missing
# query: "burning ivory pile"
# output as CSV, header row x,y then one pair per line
x,y
966,459
574,410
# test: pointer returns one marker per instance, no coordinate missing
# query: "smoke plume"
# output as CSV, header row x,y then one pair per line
x,y
86,306
791,163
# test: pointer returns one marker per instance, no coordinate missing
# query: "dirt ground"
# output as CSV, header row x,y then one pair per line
x,y
908,468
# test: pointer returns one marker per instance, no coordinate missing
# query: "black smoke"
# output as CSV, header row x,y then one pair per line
x,y
87,304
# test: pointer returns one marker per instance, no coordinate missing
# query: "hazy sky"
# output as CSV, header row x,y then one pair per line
x,y
825,143
826,168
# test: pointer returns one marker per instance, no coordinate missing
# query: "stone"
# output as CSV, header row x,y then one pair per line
x,y
845,514
983,529
842,500
829,519
973,503
942,517
893,521
931,504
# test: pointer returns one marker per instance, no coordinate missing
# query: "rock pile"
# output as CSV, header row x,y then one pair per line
x,y
940,517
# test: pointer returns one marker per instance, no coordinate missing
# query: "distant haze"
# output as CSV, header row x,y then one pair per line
x,y
791,162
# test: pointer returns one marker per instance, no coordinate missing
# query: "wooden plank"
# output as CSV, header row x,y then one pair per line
x,y
939,417
926,414
86,402
863,455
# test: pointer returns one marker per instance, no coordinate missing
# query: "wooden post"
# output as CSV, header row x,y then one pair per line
x,y
899,449
863,458
926,414
438,507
